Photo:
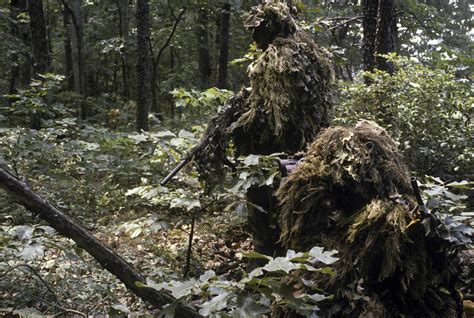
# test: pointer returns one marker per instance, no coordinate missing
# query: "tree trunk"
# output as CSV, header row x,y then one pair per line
x,y
143,65
20,72
379,32
68,60
385,37
204,59
79,55
224,27
369,25
39,39
81,65
263,225
107,258
123,27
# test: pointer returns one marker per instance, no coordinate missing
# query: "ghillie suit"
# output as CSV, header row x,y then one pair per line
x,y
283,110
352,193
289,96
290,85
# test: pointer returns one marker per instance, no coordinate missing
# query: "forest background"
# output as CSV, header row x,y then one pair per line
x,y
100,99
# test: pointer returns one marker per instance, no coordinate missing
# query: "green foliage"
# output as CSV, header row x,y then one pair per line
x,y
196,105
427,110
36,99
279,283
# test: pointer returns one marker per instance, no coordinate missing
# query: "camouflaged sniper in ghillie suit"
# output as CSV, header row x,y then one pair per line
x,y
352,194
288,99
290,85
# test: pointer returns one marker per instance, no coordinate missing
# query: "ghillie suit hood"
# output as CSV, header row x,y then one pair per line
x,y
288,100
352,193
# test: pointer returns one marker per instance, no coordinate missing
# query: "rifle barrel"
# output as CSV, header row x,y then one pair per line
x,y
174,172
416,191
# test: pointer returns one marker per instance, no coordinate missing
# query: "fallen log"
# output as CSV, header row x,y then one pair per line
x,y
107,258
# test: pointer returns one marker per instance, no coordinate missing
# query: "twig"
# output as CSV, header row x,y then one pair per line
x,y
170,36
70,311
35,272
345,22
190,247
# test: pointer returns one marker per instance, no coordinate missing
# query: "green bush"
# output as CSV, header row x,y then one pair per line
x,y
427,110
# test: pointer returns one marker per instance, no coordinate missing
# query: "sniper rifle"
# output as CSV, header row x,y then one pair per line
x,y
417,193
189,156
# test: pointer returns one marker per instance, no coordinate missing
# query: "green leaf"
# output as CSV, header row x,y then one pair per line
x,y
322,256
180,289
217,303
188,203
247,307
206,276
280,264
120,308
24,232
254,254
251,160
32,252
465,185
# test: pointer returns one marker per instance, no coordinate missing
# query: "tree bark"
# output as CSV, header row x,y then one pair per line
x,y
204,58
385,37
79,55
379,34
143,65
107,258
20,71
369,25
39,39
68,60
224,28
124,34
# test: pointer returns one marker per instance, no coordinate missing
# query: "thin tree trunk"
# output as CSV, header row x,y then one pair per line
x,y
79,55
224,27
107,258
204,58
380,33
39,39
369,24
124,34
143,65
385,37
20,71
68,60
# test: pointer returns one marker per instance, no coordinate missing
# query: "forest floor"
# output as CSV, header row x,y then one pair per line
x,y
72,279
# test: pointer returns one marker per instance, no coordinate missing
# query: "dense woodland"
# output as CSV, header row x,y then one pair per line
x,y
300,122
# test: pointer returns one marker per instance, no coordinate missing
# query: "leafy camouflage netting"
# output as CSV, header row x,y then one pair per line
x,y
352,193
287,103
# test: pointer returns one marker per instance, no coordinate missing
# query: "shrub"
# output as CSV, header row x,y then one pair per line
x,y
427,110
